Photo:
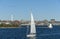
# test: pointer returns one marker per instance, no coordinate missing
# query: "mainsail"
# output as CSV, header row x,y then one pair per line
x,y
32,28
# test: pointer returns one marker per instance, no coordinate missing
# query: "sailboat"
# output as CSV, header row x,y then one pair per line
x,y
50,26
32,28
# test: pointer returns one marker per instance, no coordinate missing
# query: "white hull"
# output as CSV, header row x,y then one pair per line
x,y
31,35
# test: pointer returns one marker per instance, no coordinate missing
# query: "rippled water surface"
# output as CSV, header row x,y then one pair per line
x,y
20,33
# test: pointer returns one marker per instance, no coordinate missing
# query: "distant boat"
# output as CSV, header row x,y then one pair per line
x,y
32,28
50,26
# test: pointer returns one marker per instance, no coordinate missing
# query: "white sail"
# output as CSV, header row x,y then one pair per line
x,y
33,29
50,26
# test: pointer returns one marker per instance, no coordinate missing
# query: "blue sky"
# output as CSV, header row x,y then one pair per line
x,y
41,9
